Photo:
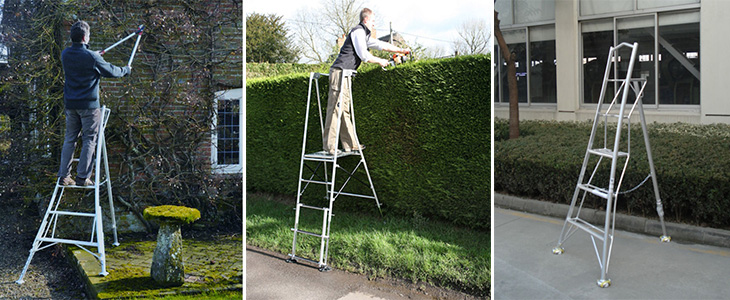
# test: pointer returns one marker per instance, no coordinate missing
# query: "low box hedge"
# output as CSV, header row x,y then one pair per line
x,y
692,164
426,126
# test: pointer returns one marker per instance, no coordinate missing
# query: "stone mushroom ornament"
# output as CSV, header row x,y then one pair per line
x,y
167,261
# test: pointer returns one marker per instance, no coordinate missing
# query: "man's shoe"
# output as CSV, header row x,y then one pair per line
x,y
84,182
67,181
333,151
356,148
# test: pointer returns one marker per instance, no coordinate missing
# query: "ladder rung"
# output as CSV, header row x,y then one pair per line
x,y
65,241
313,207
325,156
587,227
309,233
624,79
355,195
605,152
594,190
614,115
315,181
71,213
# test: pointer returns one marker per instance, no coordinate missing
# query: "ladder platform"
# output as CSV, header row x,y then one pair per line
x,y
309,233
326,156
73,186
605,152
587,227
600,192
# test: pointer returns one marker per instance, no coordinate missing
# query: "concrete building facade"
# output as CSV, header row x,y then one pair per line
x,y
562,49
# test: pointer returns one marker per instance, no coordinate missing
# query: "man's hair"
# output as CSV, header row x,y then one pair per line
x,y
79,30
365,13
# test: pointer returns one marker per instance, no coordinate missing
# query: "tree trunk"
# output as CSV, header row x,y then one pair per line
x,y
509,58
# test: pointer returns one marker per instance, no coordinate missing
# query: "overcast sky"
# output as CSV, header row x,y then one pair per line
x,y
432,23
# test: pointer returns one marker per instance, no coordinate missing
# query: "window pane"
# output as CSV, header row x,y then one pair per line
x,y
228,129
595,7
662,3
639,30
527,11
496,63
542,65
504,8
679,60
597,40
515,40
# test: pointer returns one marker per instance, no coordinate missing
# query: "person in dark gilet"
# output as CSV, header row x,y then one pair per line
x,y
353,52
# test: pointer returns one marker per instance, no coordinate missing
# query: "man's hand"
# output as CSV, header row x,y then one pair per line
x,y
405,50
383,63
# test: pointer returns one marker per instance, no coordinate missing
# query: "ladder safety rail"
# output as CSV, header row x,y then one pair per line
x,y
573,222
328,164
47,230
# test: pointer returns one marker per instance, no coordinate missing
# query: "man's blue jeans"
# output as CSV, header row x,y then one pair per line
x,y
84,123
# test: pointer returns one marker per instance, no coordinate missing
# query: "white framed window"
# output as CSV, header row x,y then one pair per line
x,y
226,151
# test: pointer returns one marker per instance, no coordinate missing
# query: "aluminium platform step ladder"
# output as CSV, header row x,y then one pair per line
x,y
47,236
612,153
325,172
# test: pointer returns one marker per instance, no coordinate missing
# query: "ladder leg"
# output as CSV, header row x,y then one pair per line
x,y
564,232
39,235
109,189
659,207
292,256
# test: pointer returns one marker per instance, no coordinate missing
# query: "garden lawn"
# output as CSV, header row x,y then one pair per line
x,y
414,248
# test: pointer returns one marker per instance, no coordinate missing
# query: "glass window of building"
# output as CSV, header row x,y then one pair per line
x,y
676,58
597,7
542,65
646,4
529,11
679,59
516,41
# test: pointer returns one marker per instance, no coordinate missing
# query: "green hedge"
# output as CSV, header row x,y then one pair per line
x,y
426,126
692,164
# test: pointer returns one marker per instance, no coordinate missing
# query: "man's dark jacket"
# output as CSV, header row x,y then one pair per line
x,y
83,69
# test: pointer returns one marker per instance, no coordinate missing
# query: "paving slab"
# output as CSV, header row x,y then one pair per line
x,y
641,267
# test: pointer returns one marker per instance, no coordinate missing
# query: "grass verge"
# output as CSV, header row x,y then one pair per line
x,y
416,248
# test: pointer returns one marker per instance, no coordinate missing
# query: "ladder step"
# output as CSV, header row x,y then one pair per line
x,y
605,152
309,233
71,213
65,241
587,227
622,80
355,195
614,115
316,181
304,259
313,207
600,192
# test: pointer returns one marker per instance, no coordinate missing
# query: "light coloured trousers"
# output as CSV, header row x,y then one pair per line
x,y
84,123
347,130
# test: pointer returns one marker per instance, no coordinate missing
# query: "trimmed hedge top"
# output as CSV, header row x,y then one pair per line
x,y
171,214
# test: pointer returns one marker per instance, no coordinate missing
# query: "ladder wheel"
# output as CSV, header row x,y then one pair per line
x,y
665,239
324,269
290,260
558,250
604,283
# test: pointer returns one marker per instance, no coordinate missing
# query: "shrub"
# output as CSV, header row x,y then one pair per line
x,y
426,126
691,162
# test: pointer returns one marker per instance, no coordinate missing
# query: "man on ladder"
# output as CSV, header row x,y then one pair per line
x,y
353,52
82,70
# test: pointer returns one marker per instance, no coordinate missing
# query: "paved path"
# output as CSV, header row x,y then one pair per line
x,y
268,276
640,268
49,275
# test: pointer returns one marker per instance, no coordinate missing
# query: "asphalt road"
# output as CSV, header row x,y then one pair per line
x,y
641,267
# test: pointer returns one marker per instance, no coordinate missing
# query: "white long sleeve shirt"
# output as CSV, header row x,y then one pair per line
x,y
361,44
